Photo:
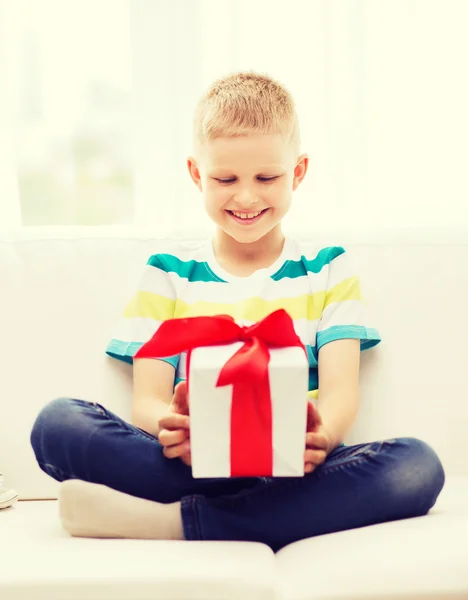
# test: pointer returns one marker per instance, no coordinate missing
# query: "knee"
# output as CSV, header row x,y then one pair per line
x,y
51,422
418,475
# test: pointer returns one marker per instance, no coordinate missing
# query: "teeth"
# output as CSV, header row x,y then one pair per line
x,y
246,215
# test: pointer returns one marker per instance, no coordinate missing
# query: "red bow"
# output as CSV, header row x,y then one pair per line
x,y
246,371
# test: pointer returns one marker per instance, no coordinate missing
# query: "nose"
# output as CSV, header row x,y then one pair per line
x,y
245,197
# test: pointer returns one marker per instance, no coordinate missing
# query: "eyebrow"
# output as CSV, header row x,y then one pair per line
x,y
260,170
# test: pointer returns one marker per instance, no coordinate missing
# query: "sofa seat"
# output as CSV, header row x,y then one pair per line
x,y
425,557
41,561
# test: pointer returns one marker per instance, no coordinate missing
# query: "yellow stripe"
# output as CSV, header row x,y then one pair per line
x,y
255,309
349,289
306,306
150,306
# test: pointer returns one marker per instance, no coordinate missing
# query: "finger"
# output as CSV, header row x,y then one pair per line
x,y
315,457
170,438
316,440
177,450
180,400
174,421
187,459
309,467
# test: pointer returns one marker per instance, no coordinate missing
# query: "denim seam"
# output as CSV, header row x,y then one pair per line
x,y
190,517
196,499
144,435
187,519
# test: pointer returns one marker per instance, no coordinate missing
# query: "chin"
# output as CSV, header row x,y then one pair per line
x,y
247,237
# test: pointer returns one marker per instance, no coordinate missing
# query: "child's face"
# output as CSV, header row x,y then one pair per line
x,y
247,182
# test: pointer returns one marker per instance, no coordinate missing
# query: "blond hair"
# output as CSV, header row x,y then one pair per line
x,y
246,103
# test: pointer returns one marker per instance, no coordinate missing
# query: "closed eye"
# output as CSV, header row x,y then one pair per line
x,y
264,179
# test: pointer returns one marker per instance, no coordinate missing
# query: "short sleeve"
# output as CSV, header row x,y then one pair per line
x,y
152,303
344,313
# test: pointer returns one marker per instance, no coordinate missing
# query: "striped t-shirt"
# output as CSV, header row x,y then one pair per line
x,y
320,290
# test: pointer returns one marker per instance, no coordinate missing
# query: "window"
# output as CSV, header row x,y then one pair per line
x,y
69,72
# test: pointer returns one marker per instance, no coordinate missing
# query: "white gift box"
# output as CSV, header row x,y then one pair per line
x,y
210,410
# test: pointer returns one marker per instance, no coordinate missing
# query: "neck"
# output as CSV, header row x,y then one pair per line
x,y
267,248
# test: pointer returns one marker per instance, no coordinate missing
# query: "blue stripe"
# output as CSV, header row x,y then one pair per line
x,y
311,355
313,379
125,351
293,269
191,270
369,336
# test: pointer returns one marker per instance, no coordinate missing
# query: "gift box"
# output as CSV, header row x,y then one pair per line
x,y
261,439
247,391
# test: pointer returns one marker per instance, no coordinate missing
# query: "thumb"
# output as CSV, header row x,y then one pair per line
x,y
180,399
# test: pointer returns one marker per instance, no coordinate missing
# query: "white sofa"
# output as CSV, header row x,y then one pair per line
x,y
61,293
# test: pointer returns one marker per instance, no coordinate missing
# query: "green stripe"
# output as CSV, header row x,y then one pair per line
x,y
125,351
369,336
311,355
299,268
191,270
313,379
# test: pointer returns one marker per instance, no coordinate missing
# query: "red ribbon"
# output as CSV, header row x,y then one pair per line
x,y
246,371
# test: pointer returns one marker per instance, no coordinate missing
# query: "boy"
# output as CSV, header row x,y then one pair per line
x,y
134,480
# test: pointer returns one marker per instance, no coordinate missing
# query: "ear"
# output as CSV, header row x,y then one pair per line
x,y
300,170
194,172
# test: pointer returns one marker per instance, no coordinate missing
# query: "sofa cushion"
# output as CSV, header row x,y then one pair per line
x,y
41,561
417,559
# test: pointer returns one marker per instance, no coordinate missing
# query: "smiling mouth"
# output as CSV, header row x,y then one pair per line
x,y
246,218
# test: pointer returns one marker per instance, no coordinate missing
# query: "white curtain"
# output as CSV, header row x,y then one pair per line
x,y
9,196
381,89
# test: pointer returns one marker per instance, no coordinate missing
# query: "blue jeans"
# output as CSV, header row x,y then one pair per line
x,y
356,486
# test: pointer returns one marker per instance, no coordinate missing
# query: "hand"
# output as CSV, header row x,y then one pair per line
x,y
174,428
318,441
